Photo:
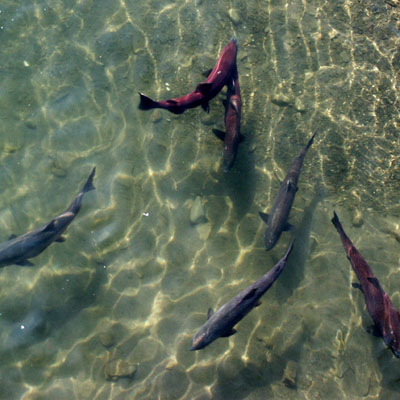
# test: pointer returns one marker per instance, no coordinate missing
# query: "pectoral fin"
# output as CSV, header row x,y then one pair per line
x,y
206,107
12,237
24,263
60,239
208,72
288,227
264,216
219,134
173,102
357,286
241,138
229,333
374,330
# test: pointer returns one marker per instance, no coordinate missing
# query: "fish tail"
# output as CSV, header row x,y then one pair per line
x,y
77,202
89,183
146,103
311,141
347,243
336,222
289,250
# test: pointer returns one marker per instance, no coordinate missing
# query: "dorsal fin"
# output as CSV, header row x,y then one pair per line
x,y
173,102
250,295
49,227
210,313
374,281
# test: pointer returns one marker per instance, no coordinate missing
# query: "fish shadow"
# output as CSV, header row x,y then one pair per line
x,y
240,181
295,268
237,379
40,321
389,366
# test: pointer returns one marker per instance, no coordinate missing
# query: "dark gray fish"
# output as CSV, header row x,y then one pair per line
x,y
221,323
277,219
17,250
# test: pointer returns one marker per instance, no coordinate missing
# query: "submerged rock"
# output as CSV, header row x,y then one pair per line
x,y
281,100
107,339
116,369
197,214
234,15
156,117
204,231
358,219
290,374
299,105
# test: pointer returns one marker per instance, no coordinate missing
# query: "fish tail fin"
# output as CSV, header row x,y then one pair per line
x,y
289,250
89,183
87,187
311,141
347,243
337,224
278,268
146,103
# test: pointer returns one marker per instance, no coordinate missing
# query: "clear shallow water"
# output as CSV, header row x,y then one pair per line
x,y
135,278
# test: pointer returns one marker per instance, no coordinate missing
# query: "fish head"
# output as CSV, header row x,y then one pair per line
x,y
235,103
270,239
391,334
202,339
396,351
199,341
392,340
231,46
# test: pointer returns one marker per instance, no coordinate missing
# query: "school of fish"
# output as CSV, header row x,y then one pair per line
x,y
19,250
